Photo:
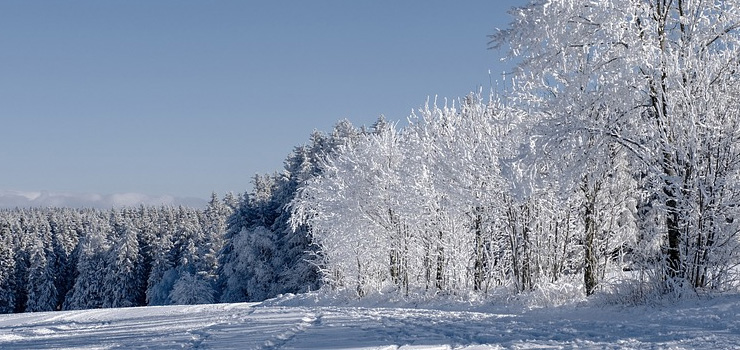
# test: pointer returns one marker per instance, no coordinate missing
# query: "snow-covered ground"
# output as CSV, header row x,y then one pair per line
x,y
289,324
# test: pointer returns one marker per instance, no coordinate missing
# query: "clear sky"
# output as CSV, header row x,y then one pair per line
x,y
188,97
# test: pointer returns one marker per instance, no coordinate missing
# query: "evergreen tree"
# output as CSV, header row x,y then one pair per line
x,y
163,274
89,290
123,284
65,238
7,269
192,289
41,288
215,217
252,274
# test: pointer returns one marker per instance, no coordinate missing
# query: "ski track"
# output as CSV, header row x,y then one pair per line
x,y
274,327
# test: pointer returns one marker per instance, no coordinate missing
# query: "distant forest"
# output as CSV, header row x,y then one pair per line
x,y
239,248
609,165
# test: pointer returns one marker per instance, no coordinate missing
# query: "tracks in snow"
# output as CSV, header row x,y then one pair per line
x,y
150,327
265,327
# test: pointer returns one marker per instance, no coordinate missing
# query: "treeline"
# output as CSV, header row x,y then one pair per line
x,y
58,258
241,248
613,158
264,254
453,204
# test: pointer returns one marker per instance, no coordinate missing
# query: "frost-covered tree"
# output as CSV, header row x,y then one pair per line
x,y
228,254
420,208
63,224
456,156
352,212
145,221
192,289
659,78
266,208
89,288
163,274
7,269
123,279
211,242
41,288
252,276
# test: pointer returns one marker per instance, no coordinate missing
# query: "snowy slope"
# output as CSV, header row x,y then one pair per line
x,y
709,323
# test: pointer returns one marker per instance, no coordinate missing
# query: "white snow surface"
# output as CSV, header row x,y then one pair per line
x,y
294,322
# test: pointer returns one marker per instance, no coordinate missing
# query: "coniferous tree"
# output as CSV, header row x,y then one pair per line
x,y
163,273
88,291
41,288
191,289
7,269
123,284
214,228
65,238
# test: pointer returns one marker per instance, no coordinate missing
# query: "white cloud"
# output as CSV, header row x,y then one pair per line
x,y
21,199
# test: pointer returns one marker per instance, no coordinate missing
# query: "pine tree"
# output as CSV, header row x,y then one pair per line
x,y
215,217
7,269
65,239
163,274
41,289
123,284
88,291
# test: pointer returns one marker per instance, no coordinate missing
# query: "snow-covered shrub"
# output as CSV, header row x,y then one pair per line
x,y
191,289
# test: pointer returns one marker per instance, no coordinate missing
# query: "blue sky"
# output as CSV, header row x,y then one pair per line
x,y
188,97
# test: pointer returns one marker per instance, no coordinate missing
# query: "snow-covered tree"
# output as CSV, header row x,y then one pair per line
x,y
123,283
163,274
658,78
252,276
41,288
352,212
192,289
7,269
215,217
88,289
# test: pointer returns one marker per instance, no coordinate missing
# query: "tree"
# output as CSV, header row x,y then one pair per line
x,y
252,276
42,293
64,239
659,78
88,289
351,213
214,228
7,269
191,289
123,283
162,277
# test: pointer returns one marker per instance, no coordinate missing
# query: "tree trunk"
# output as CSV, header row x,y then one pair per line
x,y
479,265
439,280
590,279
673,254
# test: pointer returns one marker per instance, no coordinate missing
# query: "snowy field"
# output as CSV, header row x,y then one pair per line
x,y
697,324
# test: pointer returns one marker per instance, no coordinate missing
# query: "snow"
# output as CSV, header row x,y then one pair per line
x,y
297,323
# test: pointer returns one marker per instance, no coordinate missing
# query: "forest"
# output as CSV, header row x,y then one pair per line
x,y
608,164
239,248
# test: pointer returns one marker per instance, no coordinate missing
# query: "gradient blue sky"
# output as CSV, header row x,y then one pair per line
x,y
188,97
